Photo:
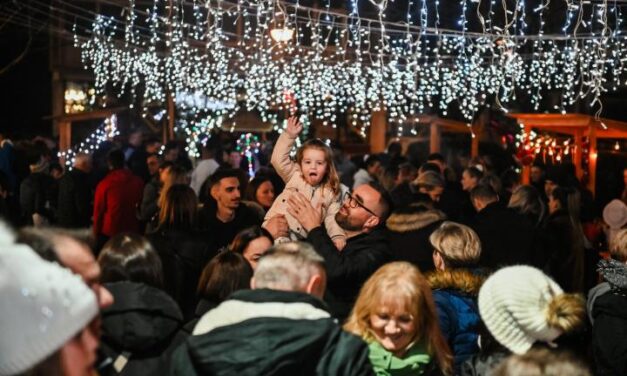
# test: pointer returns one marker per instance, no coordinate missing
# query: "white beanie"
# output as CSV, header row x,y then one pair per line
x,y
43,306
514,303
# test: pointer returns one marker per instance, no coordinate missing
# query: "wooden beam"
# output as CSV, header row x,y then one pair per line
x,y
526,170
65,136
577,154
378,128
592,160
435,138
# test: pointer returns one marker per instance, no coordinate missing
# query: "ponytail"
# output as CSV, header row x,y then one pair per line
x,y
566,312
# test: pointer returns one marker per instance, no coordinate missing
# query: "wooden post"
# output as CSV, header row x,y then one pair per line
x,y
435,137
526,170
378,128
474,146
65,137
592,158
577,154
171,114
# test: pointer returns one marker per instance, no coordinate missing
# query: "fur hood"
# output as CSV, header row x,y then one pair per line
x,y
413,220
456,279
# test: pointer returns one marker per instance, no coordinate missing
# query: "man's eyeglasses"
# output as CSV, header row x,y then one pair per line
x,y
354,203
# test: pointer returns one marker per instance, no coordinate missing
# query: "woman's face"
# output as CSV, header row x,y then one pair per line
x,y
78,355
554,205
256,249
468,182
265,194
393,328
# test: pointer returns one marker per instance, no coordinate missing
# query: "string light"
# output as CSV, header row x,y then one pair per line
x,y
91,143
248,147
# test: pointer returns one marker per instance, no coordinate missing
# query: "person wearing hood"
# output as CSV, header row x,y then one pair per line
x,y
116,200
456,284
409,230
141,329
280,327
607,310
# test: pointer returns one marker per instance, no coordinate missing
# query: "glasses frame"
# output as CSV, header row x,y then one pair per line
x,y
353,203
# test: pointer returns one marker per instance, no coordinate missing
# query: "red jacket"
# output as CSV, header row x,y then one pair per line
x,y
115,203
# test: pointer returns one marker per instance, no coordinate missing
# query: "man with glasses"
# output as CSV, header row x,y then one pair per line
x,y
362,217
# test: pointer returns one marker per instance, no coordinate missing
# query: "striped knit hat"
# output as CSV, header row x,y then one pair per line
x,y
514,304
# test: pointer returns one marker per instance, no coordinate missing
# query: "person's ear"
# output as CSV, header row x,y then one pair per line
x,y
438,261
316,286
372,222
213,191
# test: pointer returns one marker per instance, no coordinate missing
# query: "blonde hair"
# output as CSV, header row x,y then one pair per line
x,y
331,179
618,246
429,180
458,244
566,312
174,175
403,281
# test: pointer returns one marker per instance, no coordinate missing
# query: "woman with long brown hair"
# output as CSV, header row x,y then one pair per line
x,y
396,315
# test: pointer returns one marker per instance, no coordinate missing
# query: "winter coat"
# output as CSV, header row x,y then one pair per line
x,y
184,254
142,326
38,196
224,232
270,332
483,365
349,269
292,175
409,231
149,206
74,204
203,307
455,294
115,203
507,238
405,194
607,308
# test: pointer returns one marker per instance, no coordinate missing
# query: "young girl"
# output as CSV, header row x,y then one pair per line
x,y
395,314
313,175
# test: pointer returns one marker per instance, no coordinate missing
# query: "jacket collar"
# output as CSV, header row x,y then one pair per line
x,y
405,222
464,280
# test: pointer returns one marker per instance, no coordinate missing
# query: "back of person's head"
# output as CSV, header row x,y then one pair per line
x,y
542,362
44,307
115,159
247,235
618,247
474,172
493,181
436,157
510,179
289,266
130,257
396,288
406,169
520,306
484,193
527,201
429,167
179,208
430,180
568,199
395,149
372,160
226,273
457,244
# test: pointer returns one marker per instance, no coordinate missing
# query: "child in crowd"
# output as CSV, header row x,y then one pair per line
x,y
313,175
395,314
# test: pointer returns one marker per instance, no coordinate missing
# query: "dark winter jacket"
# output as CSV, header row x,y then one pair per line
x,y
507,238
409,231
184,254
203,307
269,332
349,269
149,206
607,308
142,326
38,195
405,194
75,200
223,233
482,365
115,203
455,294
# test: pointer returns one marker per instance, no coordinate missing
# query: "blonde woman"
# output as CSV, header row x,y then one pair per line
x,y
396,315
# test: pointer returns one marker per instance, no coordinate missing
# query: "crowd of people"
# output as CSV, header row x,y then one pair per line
x,y
139,261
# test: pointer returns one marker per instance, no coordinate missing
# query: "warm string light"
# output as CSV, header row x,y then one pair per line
x,y
339,63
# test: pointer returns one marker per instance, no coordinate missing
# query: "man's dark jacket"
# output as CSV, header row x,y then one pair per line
x,y
270,332
75,200
223,233
349,269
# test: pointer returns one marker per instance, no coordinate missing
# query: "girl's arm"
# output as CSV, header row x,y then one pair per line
x,y
334,230
281,161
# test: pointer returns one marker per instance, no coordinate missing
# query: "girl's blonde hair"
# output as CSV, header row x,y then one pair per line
x,y
174,175
331,179
403,281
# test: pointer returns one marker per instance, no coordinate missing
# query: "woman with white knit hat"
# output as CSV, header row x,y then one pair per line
x,y
521,307
44,316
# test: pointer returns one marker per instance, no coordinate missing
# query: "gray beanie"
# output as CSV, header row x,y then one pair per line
x,y
43,306
514,304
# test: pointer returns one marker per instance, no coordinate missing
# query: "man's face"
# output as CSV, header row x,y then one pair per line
x,y
79,259
549,186
171,155
536,174
153,165
227,193
353,217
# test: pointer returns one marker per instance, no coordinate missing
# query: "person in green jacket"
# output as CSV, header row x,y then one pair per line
x,y
396,315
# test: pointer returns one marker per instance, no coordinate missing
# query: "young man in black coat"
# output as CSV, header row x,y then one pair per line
x,y
76,194
362,216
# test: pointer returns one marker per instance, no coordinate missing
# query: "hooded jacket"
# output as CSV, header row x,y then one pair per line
x,y
455,294
115,203
409,231
142,326
270,332
607,308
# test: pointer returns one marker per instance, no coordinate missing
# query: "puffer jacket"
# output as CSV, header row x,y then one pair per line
x,y
409,230
455,293
142,327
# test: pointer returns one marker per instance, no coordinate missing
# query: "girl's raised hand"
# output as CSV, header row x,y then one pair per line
x,y
294,127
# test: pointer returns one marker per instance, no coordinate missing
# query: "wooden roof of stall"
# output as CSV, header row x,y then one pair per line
x,y
572,123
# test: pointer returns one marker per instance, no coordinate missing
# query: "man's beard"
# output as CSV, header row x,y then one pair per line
x,y
344,222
